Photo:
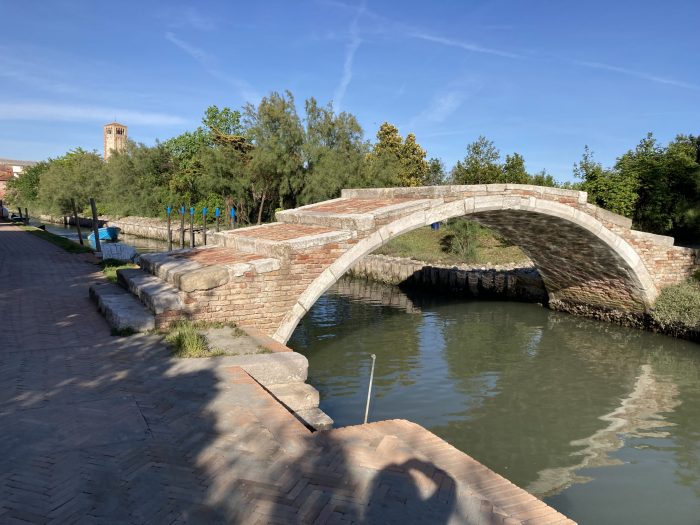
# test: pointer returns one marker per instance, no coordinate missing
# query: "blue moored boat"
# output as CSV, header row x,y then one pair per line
x,y
110,234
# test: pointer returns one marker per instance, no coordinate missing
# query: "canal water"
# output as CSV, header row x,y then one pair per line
x,y
601,422
140,244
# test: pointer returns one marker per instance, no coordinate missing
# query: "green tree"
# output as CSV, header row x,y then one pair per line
x,y
542,178
480,165
613,190
24,190
395,161
138,180
514,170
436,172
668,185
333,152
276,160
77,175
219,126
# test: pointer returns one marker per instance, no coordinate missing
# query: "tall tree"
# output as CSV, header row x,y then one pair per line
x,y
514,170
333,152
668,185
24,190
436,172
138,180
276,160
480,165
609,189
406,158
76,175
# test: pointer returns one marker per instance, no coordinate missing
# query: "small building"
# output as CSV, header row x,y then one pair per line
x,y
11,168
115,138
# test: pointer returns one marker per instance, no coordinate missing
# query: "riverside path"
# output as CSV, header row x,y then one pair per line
x,y
102,429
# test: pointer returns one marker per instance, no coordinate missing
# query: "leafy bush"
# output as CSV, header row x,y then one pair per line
x,y
463,239
679,305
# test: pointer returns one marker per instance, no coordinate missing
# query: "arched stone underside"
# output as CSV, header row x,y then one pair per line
x,y
587,269
269,276
582,273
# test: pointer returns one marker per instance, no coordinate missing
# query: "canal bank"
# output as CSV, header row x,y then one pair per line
x,y
505,282
115,429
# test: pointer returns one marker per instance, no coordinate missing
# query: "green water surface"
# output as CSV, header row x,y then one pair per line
x,y
601,422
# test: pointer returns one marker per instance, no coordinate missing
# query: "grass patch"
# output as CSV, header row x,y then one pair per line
x,y
59,241
459,242
679,305
186,341
110,267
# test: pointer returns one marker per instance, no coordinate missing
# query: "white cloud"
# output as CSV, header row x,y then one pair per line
x,y
446,101
79,113
208,63
350,51
638,74
467,46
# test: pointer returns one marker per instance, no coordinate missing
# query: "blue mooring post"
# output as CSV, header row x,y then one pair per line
x,y
233,217
204,224
191,227
217,213
170,232
182,227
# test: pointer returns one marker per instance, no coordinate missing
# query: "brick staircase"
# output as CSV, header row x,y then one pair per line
x,y
158,294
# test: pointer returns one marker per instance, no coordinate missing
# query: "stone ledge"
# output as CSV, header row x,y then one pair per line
x,y
121,309
266,369
155,293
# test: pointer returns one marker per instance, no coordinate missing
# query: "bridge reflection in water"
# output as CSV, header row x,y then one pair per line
x,y
546,399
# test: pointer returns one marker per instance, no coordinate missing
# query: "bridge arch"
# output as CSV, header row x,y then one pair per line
x,y
585,265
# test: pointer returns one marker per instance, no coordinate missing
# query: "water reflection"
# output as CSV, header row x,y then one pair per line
x,y
546,399
140,244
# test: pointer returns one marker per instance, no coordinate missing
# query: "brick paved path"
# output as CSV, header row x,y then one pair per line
x,y
98,429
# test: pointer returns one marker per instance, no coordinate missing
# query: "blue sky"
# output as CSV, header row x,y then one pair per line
x,y
542,78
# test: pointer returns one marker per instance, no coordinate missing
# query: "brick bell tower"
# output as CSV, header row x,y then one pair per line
x,y
115,138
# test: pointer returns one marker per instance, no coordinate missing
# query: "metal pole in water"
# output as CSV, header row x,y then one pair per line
x,y
369,390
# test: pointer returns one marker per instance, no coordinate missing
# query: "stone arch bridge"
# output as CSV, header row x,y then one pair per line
x,y
269,276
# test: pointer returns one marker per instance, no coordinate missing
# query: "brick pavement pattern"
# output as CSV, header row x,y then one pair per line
x,y
101,429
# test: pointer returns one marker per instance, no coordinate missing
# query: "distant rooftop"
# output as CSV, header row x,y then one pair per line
x,y
14,162
115,124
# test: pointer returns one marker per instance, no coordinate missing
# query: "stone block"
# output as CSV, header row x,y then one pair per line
x,y
155,293
122,310
205,278
296,396
315,418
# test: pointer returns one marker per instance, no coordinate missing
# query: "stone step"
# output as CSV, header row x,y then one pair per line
x,y
180,268
315,418
158,296
122,310
295,396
